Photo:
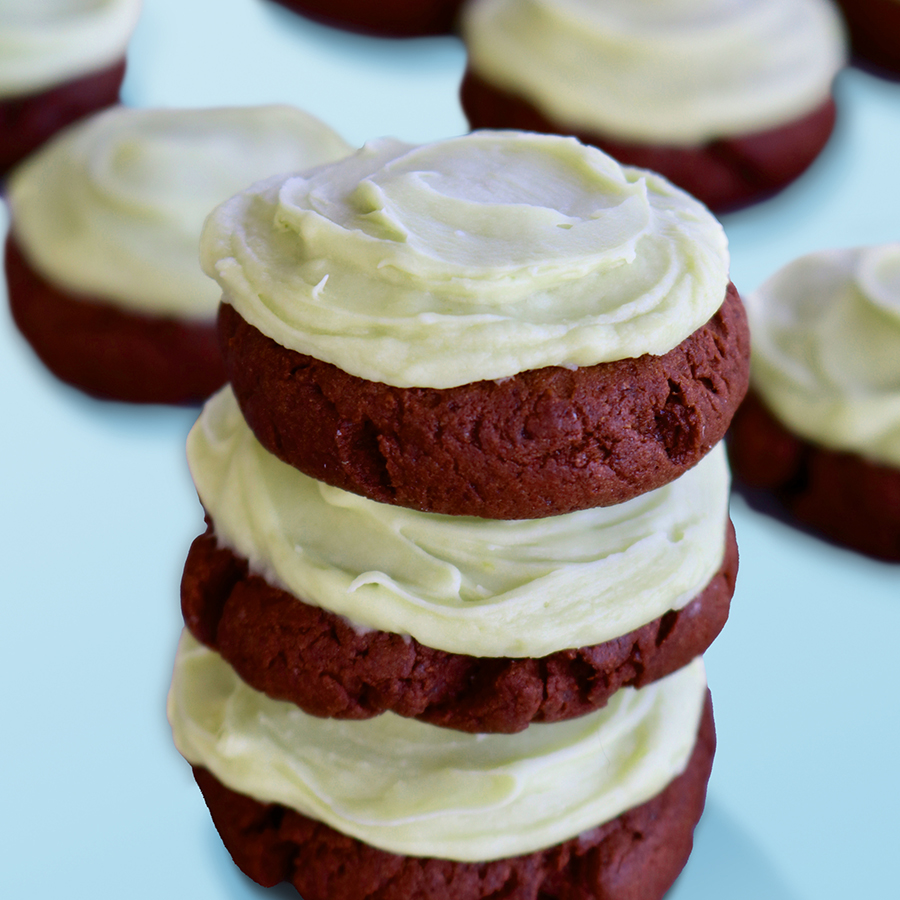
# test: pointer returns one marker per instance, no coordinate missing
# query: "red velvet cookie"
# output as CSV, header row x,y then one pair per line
x,y
725,174
636,856
874,27
544,442
293,651
841,495
108,352
388,18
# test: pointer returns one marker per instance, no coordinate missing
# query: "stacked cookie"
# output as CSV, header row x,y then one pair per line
x,y
468,529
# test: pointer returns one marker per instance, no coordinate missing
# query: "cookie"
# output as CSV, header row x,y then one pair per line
x,y
454,372
821,427
730,101
102,253
61,61
388,18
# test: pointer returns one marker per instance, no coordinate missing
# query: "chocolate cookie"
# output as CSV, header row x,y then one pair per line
x,y
545,442
27,121
388,18
636,856
315,659
724,174
874,27
110,353
845,497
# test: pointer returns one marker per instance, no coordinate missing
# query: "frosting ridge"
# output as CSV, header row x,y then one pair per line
x,y
826,334
480,587
476,257
417,789
114,206
660,71
46,42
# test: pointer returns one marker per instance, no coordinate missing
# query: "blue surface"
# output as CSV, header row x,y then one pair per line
x,y
98,512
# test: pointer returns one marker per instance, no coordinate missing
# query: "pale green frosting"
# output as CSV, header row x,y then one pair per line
x,y
477,257
419,790
46,42
482,587
677,72
826,349
114,206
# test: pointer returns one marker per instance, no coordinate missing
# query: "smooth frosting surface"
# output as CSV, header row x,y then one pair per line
x,y
419,790
114,207
482,587
660,71
472,258
826,349
46,42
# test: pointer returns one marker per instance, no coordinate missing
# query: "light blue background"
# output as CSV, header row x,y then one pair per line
x,y
97,512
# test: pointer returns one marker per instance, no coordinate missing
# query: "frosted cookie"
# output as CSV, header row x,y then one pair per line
x,y
822,426
600,806
101,258
387,18
60,60
874,27
348,607
503,325
730,100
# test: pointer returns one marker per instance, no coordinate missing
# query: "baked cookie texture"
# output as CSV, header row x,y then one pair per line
x,y
874,27
731,102
61,62
101,255
820,428
388,18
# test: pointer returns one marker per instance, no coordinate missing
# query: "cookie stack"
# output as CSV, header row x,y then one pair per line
x,y
468,530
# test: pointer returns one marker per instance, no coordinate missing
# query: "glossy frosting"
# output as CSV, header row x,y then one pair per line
x,y
659,71
826,349
46,42
419,790
114,206
477,257
483,587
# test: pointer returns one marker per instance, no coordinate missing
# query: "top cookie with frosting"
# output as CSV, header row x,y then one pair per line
x,y
674,72
478,257
46,42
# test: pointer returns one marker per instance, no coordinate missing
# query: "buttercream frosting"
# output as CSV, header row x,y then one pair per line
x,y
46,42
680,72
114,206
826,349
472,258
481,587
416,789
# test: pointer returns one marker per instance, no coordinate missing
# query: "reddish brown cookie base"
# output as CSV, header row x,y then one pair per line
x,y
725,174
387,18
544,442
874,27
27,121
293,651
848,499
634,857
110,353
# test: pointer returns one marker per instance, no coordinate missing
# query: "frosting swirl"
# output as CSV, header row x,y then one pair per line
x,y
476,257
826,349
114,206
46,42
482,587
680,72
420,790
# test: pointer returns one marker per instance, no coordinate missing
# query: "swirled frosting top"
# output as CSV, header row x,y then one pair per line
x,y
477,257
46,42
677,72
113,207
483,587
420,790
826,349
